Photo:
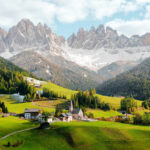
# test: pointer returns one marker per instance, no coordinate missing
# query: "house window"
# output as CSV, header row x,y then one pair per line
x,y
27,115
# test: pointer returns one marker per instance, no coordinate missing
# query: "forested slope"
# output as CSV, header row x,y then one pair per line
x,y
135,83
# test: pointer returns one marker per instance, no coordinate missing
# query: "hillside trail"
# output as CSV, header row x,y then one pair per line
x,y
13,133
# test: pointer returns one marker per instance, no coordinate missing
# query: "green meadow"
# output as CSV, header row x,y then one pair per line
x,y
60,90
16,107
100,135
100,113
114,101
11,124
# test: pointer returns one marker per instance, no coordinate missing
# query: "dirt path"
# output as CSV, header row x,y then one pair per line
x,y
13,133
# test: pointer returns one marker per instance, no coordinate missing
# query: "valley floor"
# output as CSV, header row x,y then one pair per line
x,y
81,135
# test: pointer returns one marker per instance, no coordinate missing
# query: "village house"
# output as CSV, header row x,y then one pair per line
x,y
31,113
35,114
66,117
41,119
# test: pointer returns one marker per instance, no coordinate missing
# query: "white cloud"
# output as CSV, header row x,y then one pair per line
x,y
37,10
68,11
130,28
71,10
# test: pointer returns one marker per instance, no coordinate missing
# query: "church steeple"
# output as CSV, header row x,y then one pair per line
x,y
71,107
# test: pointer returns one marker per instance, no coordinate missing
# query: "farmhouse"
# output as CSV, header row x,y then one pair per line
x,y
31,113
66,117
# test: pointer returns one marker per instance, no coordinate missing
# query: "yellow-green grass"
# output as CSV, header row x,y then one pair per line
x,y
98,135
11,124
17,107
114,101
100,113
60,90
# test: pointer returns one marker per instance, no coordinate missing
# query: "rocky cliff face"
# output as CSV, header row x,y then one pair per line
x,y
105,38
57,69
26,36
2,40
91,49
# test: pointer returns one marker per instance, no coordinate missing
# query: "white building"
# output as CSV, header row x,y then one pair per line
x,y
31,113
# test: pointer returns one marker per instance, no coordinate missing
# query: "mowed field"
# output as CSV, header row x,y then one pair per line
x,y
100,135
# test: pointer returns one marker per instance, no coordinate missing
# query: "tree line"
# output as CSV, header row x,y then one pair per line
x,y
32,95
88,99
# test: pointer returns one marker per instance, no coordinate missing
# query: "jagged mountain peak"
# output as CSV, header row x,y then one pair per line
x,y
27,36
3,33
25,22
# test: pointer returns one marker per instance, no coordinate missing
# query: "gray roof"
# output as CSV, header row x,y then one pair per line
x,y
66,114
76,110
31,110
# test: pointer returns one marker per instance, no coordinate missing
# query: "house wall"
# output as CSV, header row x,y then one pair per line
x,y
31,115
69,118
81,113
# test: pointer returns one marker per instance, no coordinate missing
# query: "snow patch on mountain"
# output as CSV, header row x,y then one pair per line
x,y
98,58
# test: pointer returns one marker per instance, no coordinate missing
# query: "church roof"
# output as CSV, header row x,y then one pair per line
x,y
76,110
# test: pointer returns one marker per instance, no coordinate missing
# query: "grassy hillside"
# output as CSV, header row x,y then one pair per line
x,y
60,90
11,124
84,136
114,101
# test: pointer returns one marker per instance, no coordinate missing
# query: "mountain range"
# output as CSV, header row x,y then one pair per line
x,y
87,58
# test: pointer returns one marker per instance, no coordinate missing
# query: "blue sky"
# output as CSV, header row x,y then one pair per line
x,y
67,16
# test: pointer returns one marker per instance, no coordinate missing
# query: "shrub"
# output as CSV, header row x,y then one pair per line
x,y
91,115
128,104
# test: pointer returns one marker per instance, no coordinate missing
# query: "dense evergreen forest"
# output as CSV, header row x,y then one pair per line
x,y
12,79
134,83
13,82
